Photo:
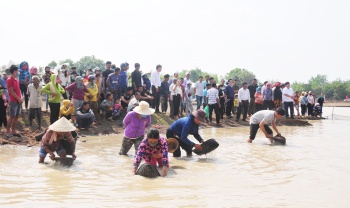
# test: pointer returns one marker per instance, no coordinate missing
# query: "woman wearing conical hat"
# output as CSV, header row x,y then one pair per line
x,y
58,139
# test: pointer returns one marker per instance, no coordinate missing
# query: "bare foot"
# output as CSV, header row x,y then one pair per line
x,y
249,141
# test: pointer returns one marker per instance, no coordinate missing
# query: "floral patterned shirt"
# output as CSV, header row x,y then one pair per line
x,y
145,152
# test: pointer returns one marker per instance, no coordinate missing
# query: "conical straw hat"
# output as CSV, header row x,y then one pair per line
x,y
62,125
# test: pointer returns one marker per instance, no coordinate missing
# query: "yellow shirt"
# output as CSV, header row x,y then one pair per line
x,y
93,92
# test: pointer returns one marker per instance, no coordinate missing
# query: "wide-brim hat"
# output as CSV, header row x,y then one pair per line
x,y
62,125
200,115
144,108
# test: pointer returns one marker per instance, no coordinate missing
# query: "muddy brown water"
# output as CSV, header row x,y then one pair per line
x,y
311,171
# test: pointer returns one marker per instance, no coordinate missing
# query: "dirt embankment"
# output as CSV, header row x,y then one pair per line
x,y
160,121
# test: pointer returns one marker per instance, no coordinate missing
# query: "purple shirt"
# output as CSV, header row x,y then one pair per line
x,y
145,152
78,94
135,127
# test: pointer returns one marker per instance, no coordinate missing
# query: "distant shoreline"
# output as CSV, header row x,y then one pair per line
x,y
336,104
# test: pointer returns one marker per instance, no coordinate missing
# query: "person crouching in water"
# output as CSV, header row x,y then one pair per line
x,y
135,123
153,146
58,139
182,128
261,119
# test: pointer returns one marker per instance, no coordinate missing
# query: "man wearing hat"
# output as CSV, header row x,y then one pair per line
x,y
58,139
184,127
135,123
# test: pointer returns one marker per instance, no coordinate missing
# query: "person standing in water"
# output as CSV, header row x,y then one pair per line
x,y
261,119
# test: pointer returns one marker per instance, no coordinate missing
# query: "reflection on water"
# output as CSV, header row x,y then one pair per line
x,y
311,171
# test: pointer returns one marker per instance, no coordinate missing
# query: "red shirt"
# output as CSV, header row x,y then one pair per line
x,y
14,83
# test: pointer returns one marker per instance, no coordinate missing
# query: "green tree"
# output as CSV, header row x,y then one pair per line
x,y
87,62
300,87
242,75
195,73
52,64
318,83
70,61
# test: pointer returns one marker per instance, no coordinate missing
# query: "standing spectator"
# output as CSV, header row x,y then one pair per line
x,y
135,123
252,91
198,91
105,74
172,92
4,85
263,87
136,77
205,93
222,100
146,82
156,82
113,82
33,71
24,80
303,103
188,98
288,100
176,76
187,78
3,106
214,103
85,116
123,80
310,104
78,89
64,75
235,86
205,82
230,96
15,101
98,81
177,94
320,100
54,90
164,93
35,102
277,95
268,97
296,102
259,99
46,78
243,99
91,97
73,74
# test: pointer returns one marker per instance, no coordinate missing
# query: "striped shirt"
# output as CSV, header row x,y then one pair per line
x,y
212,95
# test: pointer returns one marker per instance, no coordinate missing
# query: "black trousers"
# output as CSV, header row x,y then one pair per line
x,y
222,108
64,94
229,106
176,104
156,98
258,107
3,119
243,106
268,104
251,109
55,111
303,109
214,107
183,145
310,109
289,105
23,88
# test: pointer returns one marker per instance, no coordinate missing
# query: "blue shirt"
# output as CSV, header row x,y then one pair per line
x,y
3,84
122,79
268,94
113,81
23,75
230,92
184,127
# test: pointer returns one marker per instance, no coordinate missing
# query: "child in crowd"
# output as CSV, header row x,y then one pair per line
x,y
35,102
235,104
107,106
117,108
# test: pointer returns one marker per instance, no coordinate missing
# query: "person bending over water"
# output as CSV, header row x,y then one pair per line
x,y
58,139
260,121
183,127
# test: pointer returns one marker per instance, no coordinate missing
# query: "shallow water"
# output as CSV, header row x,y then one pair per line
x,y
311,171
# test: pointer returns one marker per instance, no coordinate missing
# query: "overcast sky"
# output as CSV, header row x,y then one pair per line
x,y
280,40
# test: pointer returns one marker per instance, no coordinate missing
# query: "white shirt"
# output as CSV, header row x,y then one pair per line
x,y
187,91
64,80
185,81
288,92
199,88
155,79
310,99
177,91
35,96
132,103
264,115
243,94
212,95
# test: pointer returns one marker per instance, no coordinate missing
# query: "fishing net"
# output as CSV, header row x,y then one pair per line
x,y
148,171
207,147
